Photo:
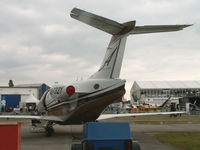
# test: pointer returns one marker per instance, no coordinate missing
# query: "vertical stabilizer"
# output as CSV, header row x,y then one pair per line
x,y
111,65
112,62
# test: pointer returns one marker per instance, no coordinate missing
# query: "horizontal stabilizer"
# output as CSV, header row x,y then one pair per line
x,y
157,28
115,28
104,24
112,62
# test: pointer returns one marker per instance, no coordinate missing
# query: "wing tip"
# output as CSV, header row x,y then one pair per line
x,y
186,25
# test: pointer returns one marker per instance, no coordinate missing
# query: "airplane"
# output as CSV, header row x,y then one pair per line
x,y
147,107
84,101
165,103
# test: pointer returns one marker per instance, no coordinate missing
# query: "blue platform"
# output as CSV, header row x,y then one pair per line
x,y
107,131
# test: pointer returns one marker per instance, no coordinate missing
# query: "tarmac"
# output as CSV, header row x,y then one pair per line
x,y
34,138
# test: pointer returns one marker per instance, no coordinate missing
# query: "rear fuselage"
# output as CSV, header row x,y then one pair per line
x,y
88,101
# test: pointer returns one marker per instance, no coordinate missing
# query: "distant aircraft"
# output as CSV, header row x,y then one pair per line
x,y
165,103
148,107
83,101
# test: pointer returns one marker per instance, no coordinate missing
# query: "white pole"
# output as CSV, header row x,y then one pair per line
x,y
187,108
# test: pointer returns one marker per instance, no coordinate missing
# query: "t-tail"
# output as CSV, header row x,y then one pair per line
x,y
112,62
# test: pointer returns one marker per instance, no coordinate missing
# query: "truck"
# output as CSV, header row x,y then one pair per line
x,y
106,136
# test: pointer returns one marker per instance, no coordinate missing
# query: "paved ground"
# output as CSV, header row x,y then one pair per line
x,y
64,135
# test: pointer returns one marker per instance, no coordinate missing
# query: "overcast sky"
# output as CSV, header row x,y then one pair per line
x,y
40,42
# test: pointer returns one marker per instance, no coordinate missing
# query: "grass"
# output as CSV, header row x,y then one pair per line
x,y
159,119
185,141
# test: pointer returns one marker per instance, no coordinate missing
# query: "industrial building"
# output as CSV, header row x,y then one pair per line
x,y
156,92
15,96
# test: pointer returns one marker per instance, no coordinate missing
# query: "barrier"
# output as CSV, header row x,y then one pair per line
x,y
10,135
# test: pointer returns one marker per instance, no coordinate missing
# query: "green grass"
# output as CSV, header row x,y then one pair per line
x,y
185,141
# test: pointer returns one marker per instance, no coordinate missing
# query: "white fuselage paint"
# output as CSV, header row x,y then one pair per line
x,y
57,95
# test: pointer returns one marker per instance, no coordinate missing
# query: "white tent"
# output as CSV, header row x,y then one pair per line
x,y
32,99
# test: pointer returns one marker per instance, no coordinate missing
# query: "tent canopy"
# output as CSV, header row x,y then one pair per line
x,y
32,99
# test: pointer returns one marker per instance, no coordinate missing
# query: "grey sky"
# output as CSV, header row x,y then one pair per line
x,y
39,41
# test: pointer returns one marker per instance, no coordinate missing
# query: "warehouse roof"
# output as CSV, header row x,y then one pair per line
x,y
34,85
168,84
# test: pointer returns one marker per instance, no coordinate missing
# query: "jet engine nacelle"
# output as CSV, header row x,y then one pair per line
x,y
55,95
61,92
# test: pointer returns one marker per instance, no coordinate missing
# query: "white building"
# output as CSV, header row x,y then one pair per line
x,y
158,91
16,96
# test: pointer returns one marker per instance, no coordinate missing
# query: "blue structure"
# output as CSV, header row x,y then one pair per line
x,y
44,88
11,100
107,131
107,135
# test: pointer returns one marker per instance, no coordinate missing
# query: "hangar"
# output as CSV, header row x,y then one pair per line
x,y
15,96
156,92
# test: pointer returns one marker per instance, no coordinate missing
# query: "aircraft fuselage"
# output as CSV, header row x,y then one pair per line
x,y
87,102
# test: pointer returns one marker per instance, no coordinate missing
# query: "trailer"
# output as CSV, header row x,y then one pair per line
x,y
106,136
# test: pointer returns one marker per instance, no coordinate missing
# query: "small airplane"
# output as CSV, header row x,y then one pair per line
x,y
163,106
84,101
166,105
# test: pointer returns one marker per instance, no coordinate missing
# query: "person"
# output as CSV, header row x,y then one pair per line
x,y
178,108
173,108
3,105
26,109
30,108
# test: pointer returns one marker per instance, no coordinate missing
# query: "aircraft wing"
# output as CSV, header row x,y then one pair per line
x,y
45,118
108,116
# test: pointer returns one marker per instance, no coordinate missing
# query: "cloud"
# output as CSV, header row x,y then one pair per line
x,y
40,42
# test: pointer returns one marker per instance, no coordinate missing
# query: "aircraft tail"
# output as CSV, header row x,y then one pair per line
x,y
165,102
111,65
